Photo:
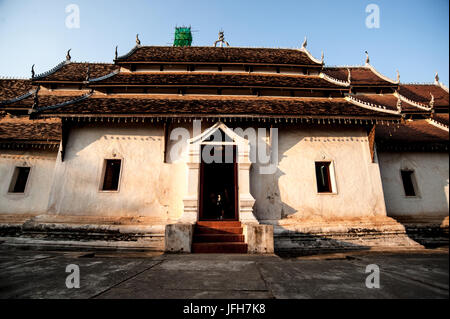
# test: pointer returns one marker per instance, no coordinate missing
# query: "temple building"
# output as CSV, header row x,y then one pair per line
x,y
305,156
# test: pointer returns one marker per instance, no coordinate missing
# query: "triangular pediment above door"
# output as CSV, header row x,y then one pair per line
x,y
219,132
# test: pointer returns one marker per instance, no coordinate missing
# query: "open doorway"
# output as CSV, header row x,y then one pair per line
x,y
218,184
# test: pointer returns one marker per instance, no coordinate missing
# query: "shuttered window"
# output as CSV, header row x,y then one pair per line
x,y
111,175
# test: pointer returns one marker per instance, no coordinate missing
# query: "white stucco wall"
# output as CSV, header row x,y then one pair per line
x,y
292,190
35,198
151,187
431,172
148,187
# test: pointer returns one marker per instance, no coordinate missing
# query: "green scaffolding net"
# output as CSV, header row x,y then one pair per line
x,y
183,37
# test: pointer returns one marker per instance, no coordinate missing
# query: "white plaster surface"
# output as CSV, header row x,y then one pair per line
x,y
148,186
35,198
431,172
292,190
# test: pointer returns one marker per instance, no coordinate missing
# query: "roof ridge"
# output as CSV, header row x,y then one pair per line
x,y
126,55
18,98
418,83
88,62
106,76
344,66
65,103
384,77
442,86
412,102
370,106
437,124
333,80
12,78
312,58
230,47
51,71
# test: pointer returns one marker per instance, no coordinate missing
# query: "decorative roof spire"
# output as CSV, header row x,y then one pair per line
x,y
305,43
322,56
349,76
436,78
399,104
221,40
367,57
32,71
68,57
88,73
398,76
36,98
115,53
138,42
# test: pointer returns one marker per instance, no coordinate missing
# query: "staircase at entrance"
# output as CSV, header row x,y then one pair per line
x,y
219,237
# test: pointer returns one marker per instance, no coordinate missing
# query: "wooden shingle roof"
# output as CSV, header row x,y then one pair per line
x,y
218,79
155,54
359,76
75,72
13,88
19,132
214,105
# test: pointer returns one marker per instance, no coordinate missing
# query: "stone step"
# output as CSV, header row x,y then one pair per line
x,y
221,223
215,238
219,248
217,230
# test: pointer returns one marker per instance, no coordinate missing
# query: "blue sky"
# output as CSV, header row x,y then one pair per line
x,y
413,36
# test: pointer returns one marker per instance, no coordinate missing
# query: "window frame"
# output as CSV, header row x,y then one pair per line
x,y
331,176
103,171
14,177
413,182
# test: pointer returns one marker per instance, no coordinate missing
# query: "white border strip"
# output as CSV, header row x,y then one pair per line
x,y
370,106
437,124
310,55
369,66
333,80
414,103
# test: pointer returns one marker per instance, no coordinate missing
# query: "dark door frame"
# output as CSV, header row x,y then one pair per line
x,y
236,185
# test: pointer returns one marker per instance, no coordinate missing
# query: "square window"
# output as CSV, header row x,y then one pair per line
x,y
111,175
19,180
323,177
408,182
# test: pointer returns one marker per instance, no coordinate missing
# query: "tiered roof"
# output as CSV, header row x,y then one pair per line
x,y
75,72
421,93
359,76
413,135
270,84
217,55
13,89
211,106
209,79
23,133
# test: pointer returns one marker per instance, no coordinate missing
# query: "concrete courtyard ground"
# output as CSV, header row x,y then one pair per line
x,y
42,274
